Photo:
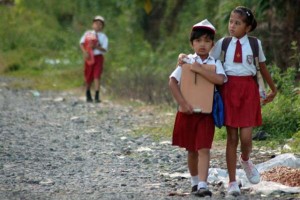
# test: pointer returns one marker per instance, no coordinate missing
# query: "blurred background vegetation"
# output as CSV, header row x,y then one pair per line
x,y
39,41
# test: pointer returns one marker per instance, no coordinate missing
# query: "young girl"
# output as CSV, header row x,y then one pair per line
x,y
195,131
94,44
240,94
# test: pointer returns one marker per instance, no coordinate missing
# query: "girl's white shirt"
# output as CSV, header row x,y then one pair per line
x,y
247,67
195,58
102,38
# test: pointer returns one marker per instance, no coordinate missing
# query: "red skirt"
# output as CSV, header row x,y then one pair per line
x,y
193,132
241,102
94,70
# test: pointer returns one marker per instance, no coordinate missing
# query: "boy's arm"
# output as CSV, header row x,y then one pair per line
x,y
209,75
175,90
267,77
84,51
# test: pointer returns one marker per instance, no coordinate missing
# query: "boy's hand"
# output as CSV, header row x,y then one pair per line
x,y
86,54
186,108
180,59
270,97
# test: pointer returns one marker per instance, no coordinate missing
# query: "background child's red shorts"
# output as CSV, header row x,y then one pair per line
x,y
93,71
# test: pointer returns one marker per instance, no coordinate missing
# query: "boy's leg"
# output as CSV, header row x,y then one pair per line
x,y
193,168
193,162
203,164
97,89
231,147
98,68
88,93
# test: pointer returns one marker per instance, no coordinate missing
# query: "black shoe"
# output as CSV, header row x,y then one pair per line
x,y
97,98
203,192
194,189
89,96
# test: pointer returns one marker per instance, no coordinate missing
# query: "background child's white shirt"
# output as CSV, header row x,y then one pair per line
x,y
102,38
238,69
194,57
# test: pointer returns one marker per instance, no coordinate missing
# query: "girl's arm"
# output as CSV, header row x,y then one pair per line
x,y
267,77
209,75
175,90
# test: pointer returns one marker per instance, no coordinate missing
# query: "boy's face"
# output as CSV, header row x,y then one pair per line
x,y
202,46
97,25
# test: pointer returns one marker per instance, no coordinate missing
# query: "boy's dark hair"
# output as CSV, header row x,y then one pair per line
x,y
249,18
199,32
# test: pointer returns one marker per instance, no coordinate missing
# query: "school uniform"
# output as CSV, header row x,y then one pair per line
x,y
93,71
240,93
194,131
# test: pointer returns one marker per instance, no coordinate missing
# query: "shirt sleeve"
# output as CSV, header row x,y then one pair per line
x,y
104,42
220,70
261,55
81,41
177,74
216,50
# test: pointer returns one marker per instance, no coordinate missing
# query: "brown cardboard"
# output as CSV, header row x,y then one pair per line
x,y
196,89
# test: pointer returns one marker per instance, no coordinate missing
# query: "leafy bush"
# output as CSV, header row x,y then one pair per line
x,y
281,118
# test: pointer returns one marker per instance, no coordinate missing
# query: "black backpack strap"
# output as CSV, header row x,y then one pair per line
x,y
225,44
254,46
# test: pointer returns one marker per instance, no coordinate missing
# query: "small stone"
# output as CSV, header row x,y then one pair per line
x,y
47,182
59,99
79,158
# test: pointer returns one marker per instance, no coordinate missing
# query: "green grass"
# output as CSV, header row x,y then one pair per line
x,y
47,79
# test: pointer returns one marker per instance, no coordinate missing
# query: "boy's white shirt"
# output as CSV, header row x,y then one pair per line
x,y
195,58
238,69
102,38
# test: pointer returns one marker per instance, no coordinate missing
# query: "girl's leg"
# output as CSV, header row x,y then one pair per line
x,y
203,164
246,147
231,147
193,162
246,142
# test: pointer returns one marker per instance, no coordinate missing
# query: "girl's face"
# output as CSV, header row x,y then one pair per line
x,y
202,46
236,26
97,25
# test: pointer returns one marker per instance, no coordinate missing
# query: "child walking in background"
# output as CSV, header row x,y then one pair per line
x,y
94,44
241,95
195,131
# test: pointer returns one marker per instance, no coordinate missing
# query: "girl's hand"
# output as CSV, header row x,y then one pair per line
x,y
186,108
270,97
180,59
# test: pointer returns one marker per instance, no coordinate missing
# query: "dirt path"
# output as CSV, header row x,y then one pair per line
x,y
56,146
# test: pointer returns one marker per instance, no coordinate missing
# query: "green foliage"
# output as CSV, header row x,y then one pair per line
x,y
281,118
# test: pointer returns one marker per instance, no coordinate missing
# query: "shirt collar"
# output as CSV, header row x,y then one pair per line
x,y
242,40
195,56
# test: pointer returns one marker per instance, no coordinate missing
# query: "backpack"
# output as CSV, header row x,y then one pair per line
x,y
254,46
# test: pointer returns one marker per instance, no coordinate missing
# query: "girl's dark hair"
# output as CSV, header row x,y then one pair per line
x,y
197,33
249,18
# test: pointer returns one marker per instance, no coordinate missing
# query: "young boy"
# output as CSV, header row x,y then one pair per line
x,y
195,131
94,44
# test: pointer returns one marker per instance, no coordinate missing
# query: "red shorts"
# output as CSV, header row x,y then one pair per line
x,y
93,71
241,102
193,132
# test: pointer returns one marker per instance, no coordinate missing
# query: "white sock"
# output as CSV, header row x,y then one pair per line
x,y
202,184
194,180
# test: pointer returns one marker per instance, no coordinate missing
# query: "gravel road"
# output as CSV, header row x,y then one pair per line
x,y
56,146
